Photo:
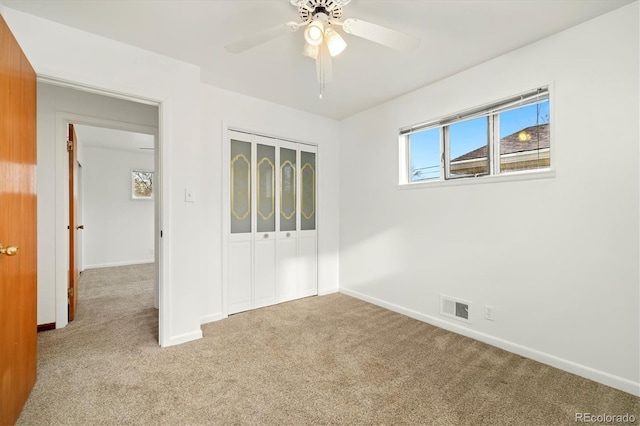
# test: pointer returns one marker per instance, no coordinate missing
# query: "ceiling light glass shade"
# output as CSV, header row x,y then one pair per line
x,y
314,33
335,42
311,51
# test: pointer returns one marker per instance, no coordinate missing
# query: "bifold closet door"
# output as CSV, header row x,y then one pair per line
x,y
265,215
272,246
240,286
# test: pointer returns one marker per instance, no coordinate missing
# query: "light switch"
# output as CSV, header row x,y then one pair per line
x,y
189,196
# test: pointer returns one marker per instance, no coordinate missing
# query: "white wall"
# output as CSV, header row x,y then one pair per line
x,y
52,160
558,258
118,230
190,157
222,108
63,53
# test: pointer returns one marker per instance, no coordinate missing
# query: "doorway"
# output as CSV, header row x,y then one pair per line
x,y
115,198
59,105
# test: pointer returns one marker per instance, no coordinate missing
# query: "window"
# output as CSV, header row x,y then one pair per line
x,y
508,136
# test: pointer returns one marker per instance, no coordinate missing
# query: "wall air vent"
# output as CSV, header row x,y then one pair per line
x,y
455,308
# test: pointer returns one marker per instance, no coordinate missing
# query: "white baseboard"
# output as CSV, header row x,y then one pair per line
x,y
212,317
561,363
110,265
325,291
184,338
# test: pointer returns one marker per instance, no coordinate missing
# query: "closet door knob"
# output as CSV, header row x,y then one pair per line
x,y
266,235
288,234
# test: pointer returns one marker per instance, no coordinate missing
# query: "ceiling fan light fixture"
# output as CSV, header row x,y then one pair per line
x,y
335,42
311,51
314,33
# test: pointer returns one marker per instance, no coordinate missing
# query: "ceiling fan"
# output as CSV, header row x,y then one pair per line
x,y
322,40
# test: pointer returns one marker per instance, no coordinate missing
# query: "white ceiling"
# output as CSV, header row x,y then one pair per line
x,y
455,34
114,139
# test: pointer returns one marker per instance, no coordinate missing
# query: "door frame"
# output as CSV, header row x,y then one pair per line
x,y
62,191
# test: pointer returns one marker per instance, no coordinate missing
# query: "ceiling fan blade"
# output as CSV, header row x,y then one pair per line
x,y
385,36
261,37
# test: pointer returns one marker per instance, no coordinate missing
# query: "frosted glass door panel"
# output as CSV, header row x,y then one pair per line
x,y
288,194
265,185
240,187
308,190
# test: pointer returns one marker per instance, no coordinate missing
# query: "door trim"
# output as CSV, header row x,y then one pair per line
x,y
61,214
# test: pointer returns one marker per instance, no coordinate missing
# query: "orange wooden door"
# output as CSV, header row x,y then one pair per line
x,y
18,262
72,148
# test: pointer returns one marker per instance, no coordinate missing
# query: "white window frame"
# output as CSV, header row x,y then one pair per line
x,y
491,110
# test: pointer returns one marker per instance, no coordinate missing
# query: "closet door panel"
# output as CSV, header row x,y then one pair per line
x,y
240,259
307,237
265,237
287,235
307,266
265,272
240,271
287,269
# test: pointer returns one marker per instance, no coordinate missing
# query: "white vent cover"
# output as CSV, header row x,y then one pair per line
x,y
455,308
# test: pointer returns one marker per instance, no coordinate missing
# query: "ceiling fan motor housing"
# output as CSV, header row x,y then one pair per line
x,y
324,10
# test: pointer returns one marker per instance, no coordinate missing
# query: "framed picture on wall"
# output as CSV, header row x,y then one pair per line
x,y
142,184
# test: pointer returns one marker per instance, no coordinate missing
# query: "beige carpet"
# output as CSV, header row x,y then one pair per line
x,y
321,360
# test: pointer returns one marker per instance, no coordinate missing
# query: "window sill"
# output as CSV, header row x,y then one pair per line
x,y
508,177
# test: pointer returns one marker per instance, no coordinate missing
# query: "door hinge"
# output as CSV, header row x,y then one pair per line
x,y
70,293
69,146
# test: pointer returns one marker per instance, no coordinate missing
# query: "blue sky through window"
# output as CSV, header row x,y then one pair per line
x,y
425,155
466,136
521,118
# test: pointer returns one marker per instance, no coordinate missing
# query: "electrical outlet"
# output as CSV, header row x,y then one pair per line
x,y
489,313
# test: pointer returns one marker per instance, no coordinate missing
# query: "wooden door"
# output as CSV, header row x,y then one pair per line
x,y
72,292
18,262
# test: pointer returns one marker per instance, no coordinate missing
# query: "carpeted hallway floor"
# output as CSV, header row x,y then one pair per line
x,y
321,360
